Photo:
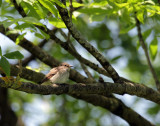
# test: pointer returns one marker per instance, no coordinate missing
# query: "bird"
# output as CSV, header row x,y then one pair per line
x,y
57,75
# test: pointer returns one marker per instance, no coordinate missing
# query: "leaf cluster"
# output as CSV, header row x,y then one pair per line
x,y
4,64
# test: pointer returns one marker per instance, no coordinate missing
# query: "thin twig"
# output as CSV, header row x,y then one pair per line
x,y
63,34
69,34
71,45
70,12
141,40
86,71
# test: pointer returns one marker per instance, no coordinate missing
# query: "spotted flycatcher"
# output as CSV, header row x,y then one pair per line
x,y
58,74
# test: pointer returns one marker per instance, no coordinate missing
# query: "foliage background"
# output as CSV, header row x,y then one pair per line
x,y
111,28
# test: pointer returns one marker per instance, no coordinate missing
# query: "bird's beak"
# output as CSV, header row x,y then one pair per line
x,y
71,66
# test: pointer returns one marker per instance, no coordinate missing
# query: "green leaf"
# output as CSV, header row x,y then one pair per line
x,y
150,11
146,33
149,2
0,51
91,11
7,23
46,36
19,38
28,8
99,17
121,5
153,48
59,3
57,22
124,30
18,1
115,59
31,20
4,64
24,26
39,35
74,4
138,45
41,11
14,55
140,14
99,3
49,5
13,31
154,110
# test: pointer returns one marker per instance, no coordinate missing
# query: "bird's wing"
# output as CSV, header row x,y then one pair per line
x,y
50,74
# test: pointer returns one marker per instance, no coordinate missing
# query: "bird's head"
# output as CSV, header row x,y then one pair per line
x,y
66,65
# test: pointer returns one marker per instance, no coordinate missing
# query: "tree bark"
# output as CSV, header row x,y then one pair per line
x,y
7,115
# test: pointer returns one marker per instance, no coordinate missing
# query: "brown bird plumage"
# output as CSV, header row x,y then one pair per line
x,y
58,74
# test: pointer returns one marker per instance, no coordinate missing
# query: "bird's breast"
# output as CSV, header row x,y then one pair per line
x,y
60,77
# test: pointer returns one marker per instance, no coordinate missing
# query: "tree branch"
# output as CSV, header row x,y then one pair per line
x,y
8,116
92,88
115,105
52,62
74,53
126,87
66,46
30,58
81,91
89,75
43,56
112,104
141,40
81,40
